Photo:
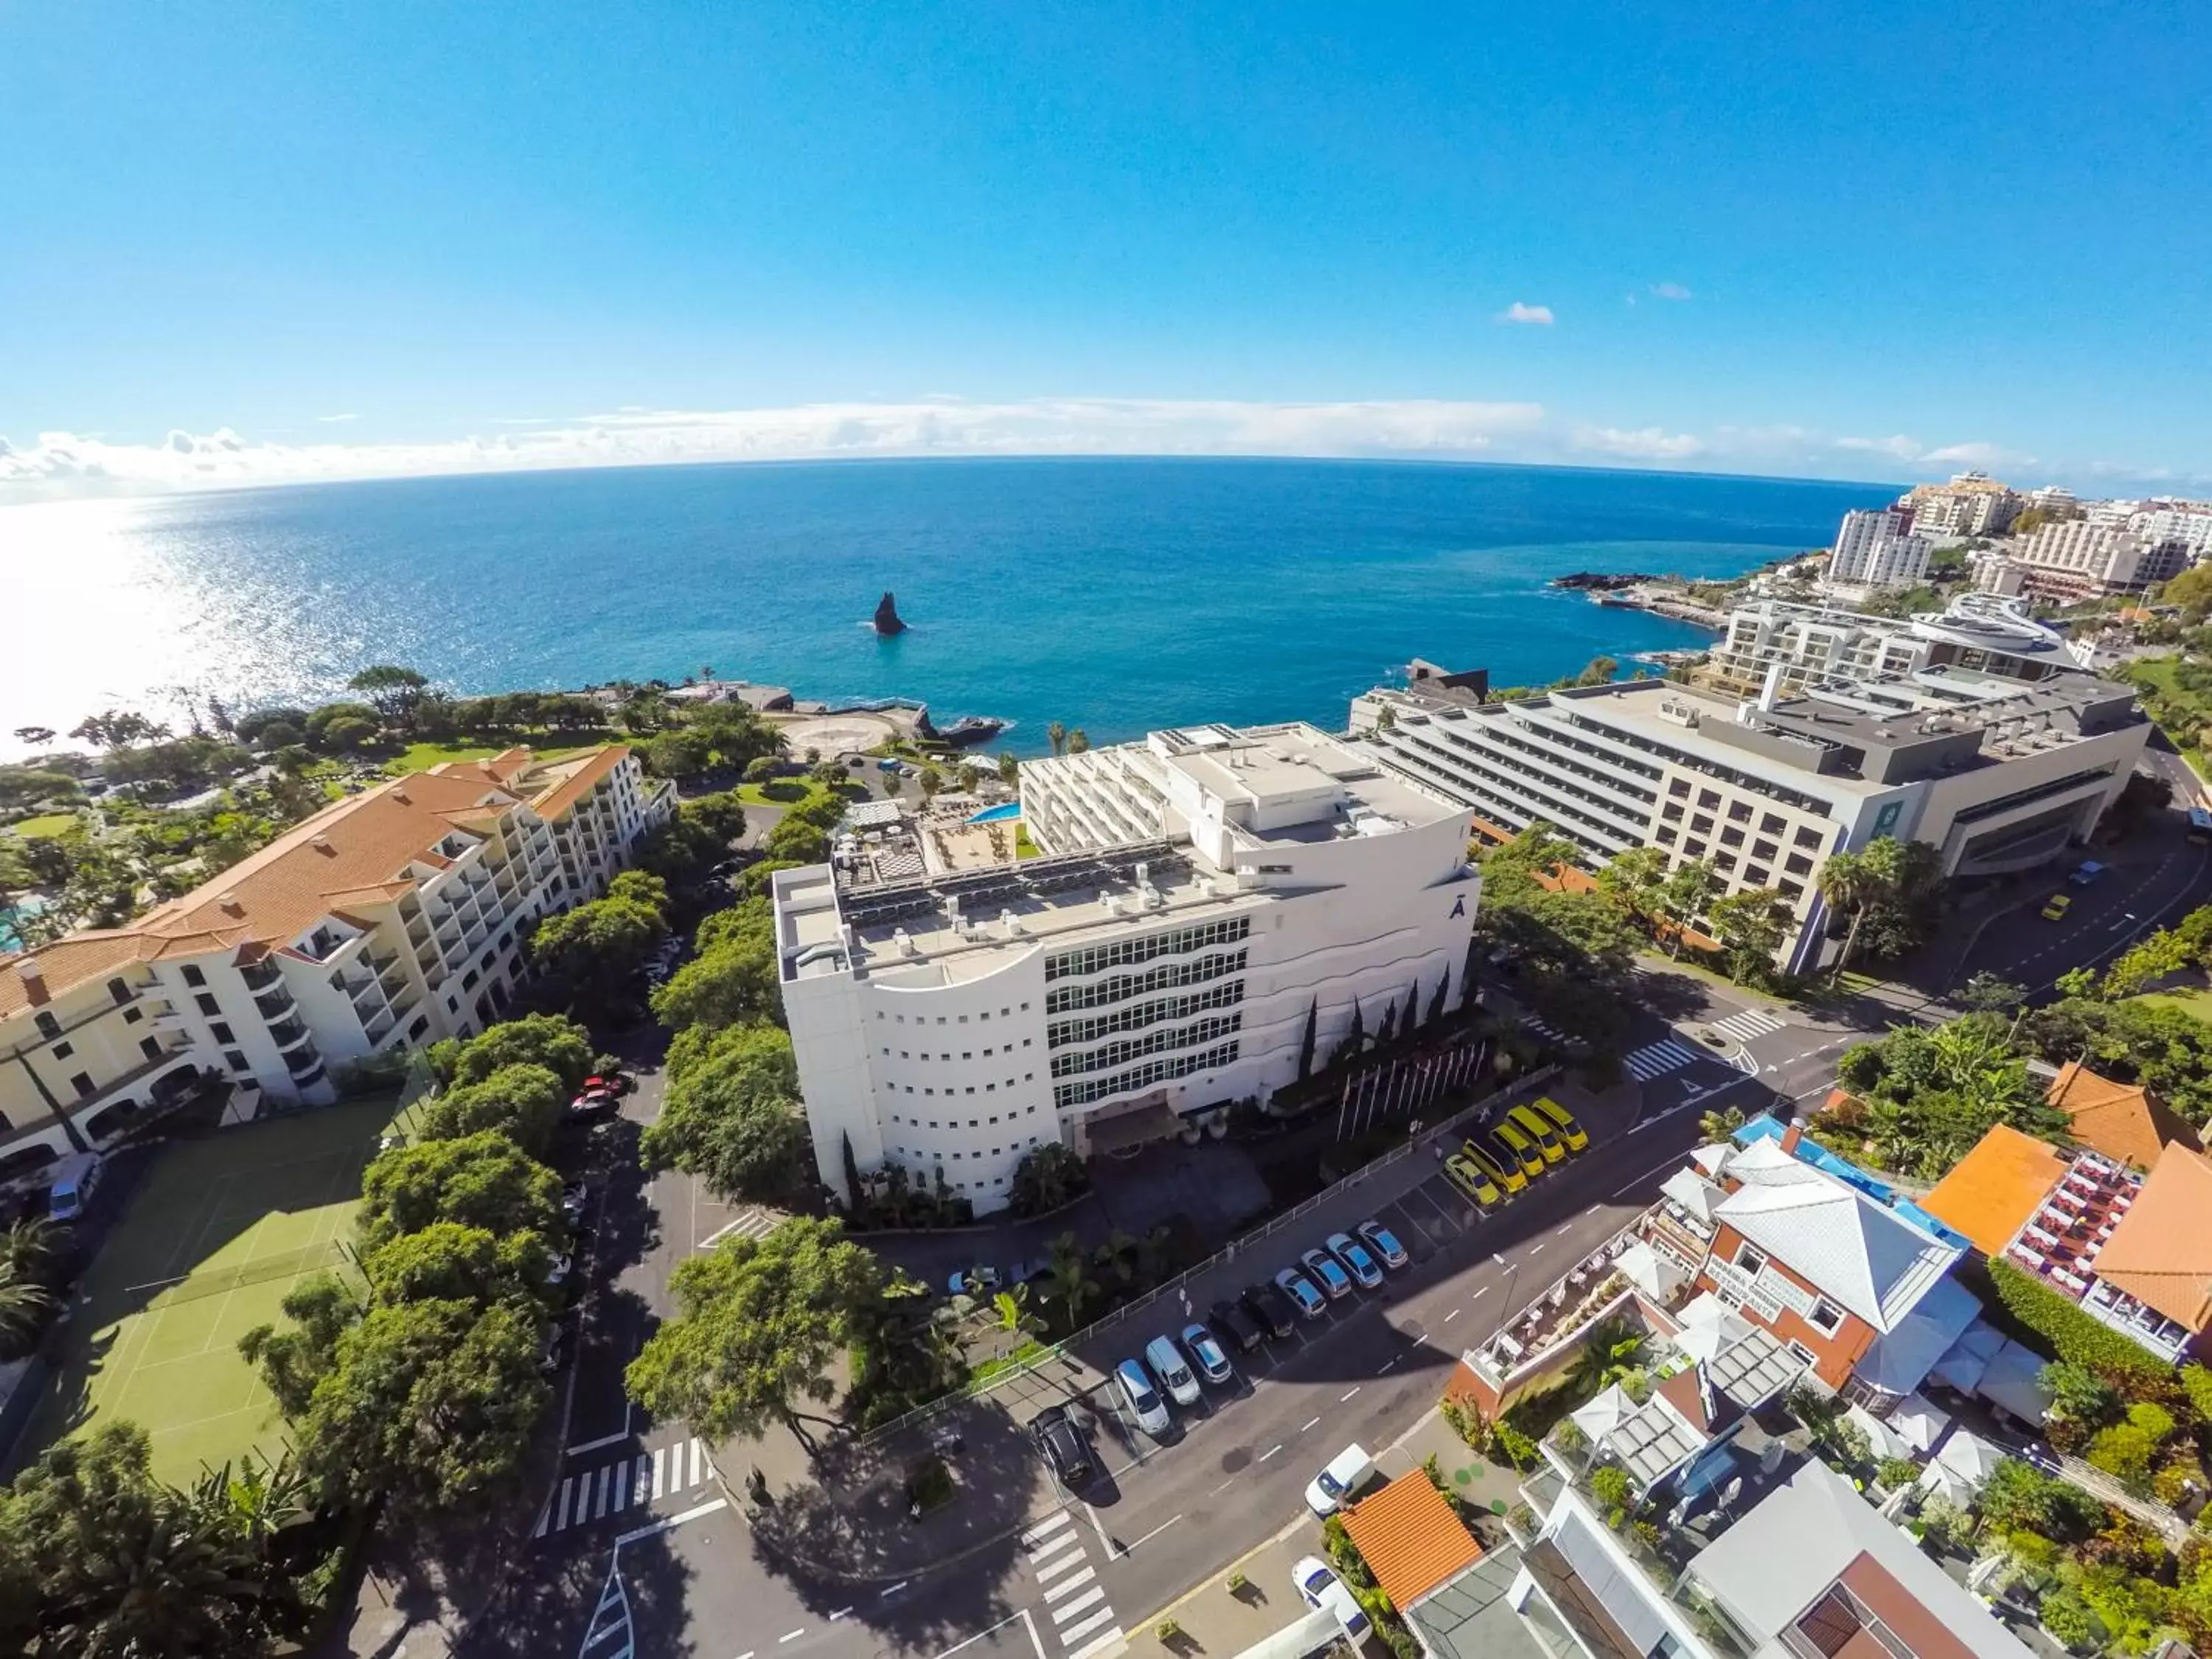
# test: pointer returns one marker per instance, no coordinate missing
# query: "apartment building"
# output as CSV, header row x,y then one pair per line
x,y
2075,559
1971,504
1201,893
1976,634
387,920
1768,788
1878,549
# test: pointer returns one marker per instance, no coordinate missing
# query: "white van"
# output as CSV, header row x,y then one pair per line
x,y
1339,1480
1169,1366
1137,1392
76,1177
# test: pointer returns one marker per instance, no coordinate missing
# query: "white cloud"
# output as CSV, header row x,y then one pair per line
x,y
1645,444
1521,312
1897,447
1979,454
333,420
1669,291
62,463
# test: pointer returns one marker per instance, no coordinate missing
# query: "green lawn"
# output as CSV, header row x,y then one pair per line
x,y
2197,1003
421,757
50,824
216,1234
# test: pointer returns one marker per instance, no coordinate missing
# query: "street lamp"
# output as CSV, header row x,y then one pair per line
x,y
1505,1302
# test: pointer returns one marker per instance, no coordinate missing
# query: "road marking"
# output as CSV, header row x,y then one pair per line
x,y
1223,1487
1269,1453
1388,1362
1090,1649
840,1613
748,1653
1154,1533
600,1444
1536,1249
1308,1424
606,1491
881,1596
1067,1586
1449,1317
1089,1598
671,1523
1112,1552
791,1636
1044,1528
1104,1616
659,1457
698,1461
1481,1293
1054,1546
641,1483
1053,1569
1341,1398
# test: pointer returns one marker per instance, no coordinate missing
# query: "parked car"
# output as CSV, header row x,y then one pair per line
x,y
1357,1262
973,1281
1326,1270
1206,1357
1471,1178
1317,1585
1268,1306
1537,1129
1165,1362
1066,1450
1516,1148
555,1353
595,1103
1504,1172
2056,907
76,1177
562,1265
1144,1402
1329,1489
1563,1120
620,1083
1294,1285
574,1197
1237,1325
1384,1242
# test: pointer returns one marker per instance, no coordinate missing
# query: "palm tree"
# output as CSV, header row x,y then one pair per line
x,y
1067,1277
1012,1308
1850,883
1118,1255
1608,1356
1720,1125
22,1303
1056,734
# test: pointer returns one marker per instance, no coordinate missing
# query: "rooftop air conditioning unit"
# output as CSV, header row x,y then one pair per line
x,y
902,941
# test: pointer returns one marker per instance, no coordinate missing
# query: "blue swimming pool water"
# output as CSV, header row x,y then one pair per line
x,y
1011,809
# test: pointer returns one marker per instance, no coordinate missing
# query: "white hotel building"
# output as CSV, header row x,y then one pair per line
x,y
1200,891
1768,788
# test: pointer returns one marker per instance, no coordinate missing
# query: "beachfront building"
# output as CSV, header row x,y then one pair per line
x,y
1971,504
1202,894
389,920
1876,549
1768,788
1977,637
2071,560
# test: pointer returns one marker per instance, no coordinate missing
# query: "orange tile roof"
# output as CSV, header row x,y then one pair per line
x,y
352,852
2161,1252
1996,1187
571,788
1410,1538
2120,1120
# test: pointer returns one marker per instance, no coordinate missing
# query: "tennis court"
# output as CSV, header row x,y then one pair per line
x,y
214,1236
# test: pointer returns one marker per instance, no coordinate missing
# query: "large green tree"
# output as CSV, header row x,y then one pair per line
x,y
552,1040
446,1262
732,979
483,1179
1887,893
732,1117
2154,1043
596,948
1752,926
759,1323
392,690
522,1101
1931,1092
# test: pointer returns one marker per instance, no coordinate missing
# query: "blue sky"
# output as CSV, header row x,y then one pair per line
x,y
1882,243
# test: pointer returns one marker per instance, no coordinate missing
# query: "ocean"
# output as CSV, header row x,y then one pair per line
x,y
1116,596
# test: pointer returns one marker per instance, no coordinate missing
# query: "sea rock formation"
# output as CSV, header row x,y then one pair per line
x,y
887,618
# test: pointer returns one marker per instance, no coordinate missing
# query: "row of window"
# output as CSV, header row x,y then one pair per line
x,y
1138,1076
954,1123
1068,1031
1092,957
1103,992
1152,1042
949,1091
965,1054
985,1017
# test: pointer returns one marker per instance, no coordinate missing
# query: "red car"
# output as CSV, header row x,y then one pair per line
x,y
614,1083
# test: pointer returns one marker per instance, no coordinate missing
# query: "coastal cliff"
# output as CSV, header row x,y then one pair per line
x,y
888,622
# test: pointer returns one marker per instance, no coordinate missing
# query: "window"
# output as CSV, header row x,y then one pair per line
x,y
1805,1355
1672,811
1739,810
49,1027
1808,836
1666,837
1772,824
1694,849
1798,864
1750,1257
1708,797
63,1050
207,1005
235,1060
1703,824
1756,876
1731,837
120,990
965,1055
220,1031
1764,849
82,1083
194,976
419,1024
1679,787
150,1047
1791,890
1091,958
1724,862
1826,1317
132,1016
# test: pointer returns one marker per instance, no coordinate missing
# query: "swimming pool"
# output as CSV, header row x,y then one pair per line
x,y
1011,809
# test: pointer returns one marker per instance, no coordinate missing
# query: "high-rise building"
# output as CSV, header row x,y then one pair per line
x,y
386,922
1976,635
1971,504
1207,899
2076,559
1877,549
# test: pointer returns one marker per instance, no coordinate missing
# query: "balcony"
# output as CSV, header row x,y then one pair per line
x,y
275,1005
260,975
305,1059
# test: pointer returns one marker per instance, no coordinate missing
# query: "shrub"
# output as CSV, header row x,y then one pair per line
x,y
1611,1487
2124,1452
1468,1423
2073,1333
2198,1381
1945,1524
1515,1447
1897,1473
2069,1621
2171,1484
1166,1630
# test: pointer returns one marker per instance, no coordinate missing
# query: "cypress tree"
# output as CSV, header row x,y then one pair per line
x,y
1306,1042
1436,1002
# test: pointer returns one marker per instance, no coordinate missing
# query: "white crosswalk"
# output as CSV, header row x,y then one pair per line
x,y
626,1483
1530,1022
1750,1022
1075,1601
752,1222
1658,1058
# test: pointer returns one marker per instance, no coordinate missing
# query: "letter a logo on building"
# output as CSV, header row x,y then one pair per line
x,y
1459,907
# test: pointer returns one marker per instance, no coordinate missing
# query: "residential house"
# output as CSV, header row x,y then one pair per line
x,y
1816,1572
2123,1120
1582,1595
1410,1538
2154,1273
1997,1187
389,920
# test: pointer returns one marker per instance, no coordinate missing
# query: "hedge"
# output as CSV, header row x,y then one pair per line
x,y
2072,1332
2198,1381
